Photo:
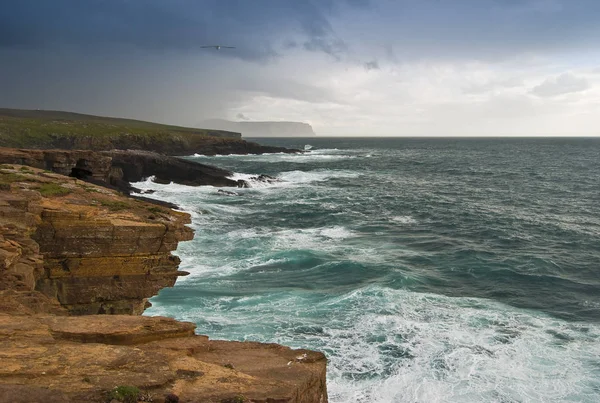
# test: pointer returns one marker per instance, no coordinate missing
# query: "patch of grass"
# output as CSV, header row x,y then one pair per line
x,y
126,394
155,210
53,189
26,170
114,205
6,177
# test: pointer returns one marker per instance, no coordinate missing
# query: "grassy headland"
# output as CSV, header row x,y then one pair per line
x,y
53,129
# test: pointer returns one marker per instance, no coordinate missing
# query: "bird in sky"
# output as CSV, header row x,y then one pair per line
x,y
218,47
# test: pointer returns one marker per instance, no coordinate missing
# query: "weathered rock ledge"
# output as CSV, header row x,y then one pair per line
x,y
70,248
48,358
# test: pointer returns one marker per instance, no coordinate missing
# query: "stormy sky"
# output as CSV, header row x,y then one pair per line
x,y
348,67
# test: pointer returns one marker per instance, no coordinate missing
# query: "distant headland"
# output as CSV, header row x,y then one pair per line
x,y
261,129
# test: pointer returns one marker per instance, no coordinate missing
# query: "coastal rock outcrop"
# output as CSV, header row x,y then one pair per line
x,y
118,168
69,248
133,166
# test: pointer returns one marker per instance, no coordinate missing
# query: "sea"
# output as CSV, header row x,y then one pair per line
x,y
426,269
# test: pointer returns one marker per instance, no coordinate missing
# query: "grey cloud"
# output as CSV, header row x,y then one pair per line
x,y
564,84
333,47
285,88
511,82
372,65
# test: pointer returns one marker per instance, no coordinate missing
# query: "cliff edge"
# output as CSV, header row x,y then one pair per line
x,y
70,250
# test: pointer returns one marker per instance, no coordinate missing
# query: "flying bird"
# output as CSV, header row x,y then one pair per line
x,y
218,47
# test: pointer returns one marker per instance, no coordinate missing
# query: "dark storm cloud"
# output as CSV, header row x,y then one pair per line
x,y
254,27
264,29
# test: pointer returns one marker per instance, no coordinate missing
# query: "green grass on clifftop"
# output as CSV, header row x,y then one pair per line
x,y
52,129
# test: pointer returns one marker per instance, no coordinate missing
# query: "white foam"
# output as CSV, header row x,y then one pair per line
x,y
170,188
462,350
337,232
294,178
316,176
251,180
311,238
403,219
324,155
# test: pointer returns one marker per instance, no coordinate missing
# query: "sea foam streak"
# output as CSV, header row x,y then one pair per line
x,y
309,156
294,178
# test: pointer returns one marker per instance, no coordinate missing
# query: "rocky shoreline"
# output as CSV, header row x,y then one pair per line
x,y
78,262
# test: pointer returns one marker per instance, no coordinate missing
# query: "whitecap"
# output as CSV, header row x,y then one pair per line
x,y
403,219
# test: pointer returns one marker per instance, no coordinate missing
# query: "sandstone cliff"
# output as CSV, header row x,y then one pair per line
x,y
68,247
102,253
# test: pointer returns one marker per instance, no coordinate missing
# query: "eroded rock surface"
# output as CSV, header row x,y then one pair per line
x,y
81,359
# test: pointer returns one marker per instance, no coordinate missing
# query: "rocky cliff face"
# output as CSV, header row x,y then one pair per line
x,y
102,253
69,248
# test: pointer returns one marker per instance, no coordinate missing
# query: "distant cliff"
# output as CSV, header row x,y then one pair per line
x,y
261,129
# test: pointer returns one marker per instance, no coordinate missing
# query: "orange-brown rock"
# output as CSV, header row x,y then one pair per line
x,y
81,359
102,252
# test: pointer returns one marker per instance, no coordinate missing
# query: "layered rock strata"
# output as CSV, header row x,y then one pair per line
x,y
102,253
68,248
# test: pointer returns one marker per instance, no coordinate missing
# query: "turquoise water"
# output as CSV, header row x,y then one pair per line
x,y
432,270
